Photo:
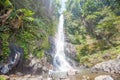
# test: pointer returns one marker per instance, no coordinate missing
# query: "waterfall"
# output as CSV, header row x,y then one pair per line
x,y
60,63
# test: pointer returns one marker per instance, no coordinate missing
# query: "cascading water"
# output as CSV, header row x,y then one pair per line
x,y
60,63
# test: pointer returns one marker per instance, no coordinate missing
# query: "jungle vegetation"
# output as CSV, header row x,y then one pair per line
x,y
93,26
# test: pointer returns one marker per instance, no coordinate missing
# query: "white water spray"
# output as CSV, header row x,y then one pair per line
x,y
60,63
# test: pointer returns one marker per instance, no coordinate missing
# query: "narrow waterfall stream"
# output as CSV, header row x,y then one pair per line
x,y
60,63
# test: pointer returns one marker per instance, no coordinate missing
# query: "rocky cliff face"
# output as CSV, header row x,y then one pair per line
x,y
51,51
70,50
71,55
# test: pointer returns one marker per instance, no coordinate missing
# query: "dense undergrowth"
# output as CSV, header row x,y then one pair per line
x,y
93,26
27,24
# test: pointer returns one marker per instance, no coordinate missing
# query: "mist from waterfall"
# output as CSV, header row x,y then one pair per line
x,y
60,63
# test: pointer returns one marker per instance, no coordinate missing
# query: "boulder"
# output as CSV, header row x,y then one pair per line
x,y
58,75
84,77
27,76
19,74
103,77
71,73
65,79
111,66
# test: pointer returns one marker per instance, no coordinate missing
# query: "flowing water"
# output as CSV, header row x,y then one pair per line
x,y
60,63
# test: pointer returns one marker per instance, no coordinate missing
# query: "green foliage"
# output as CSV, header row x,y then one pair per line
x,y
100,56
5,49
40,53
27,26
92,26
6,3
27,14
2,78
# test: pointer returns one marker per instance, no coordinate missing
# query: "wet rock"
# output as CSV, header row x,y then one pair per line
x,y
37,66
85,77
19,74
51,51
27,76
70,50
111,66
49,79
44,68
37,78
59,75
116,76
34,62
71,73
34,78
72,78
65,79
15,59
104,77
78,71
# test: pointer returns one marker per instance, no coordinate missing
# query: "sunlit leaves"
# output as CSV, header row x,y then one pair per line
x,y
91,17
27,14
